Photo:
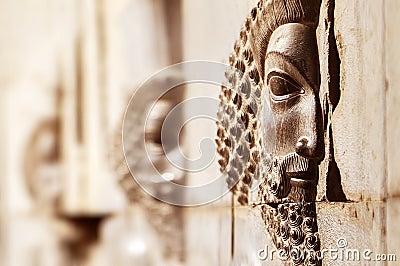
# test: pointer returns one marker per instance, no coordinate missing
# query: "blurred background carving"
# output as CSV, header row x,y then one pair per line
x,y
67,72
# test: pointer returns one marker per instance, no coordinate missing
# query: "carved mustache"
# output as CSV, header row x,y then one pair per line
x,y
290,163
294,163
282,169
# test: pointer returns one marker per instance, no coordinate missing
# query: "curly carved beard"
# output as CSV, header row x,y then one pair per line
x,y
289,178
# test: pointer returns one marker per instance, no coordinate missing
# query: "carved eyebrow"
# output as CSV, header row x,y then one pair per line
x,y
283,75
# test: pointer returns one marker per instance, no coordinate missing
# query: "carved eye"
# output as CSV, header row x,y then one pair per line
x,y
282,86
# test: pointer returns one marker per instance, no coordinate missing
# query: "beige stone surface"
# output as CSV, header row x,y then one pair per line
x,y
392,227
359,119
392,89
250,237
207,235
359,226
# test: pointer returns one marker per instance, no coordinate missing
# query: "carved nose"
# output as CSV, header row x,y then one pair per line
x,y
305,147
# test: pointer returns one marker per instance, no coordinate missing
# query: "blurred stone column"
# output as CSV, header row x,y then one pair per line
x,y
88,188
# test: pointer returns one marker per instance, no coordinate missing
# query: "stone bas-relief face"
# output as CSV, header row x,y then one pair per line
x,y
278,52
291,117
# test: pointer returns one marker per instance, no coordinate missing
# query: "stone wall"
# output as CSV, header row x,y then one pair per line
x,y
358,187
81,60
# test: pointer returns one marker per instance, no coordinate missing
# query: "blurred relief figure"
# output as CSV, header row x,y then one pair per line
x,y
67,68
39,237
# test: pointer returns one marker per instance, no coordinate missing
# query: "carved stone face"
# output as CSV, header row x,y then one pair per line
x,y
292,117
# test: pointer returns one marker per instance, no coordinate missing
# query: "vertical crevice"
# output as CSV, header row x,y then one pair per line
x,y
333,59
334,189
